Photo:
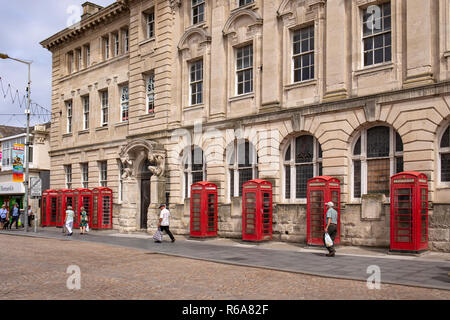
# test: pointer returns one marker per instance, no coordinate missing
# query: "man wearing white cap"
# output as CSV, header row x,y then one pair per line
x,y
331,227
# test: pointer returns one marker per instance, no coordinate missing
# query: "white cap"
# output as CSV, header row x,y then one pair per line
x,y
331,204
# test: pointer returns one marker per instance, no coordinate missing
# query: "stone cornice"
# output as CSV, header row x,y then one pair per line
x,y
70,33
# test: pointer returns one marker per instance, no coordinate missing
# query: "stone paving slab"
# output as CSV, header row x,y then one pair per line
x,y
413,271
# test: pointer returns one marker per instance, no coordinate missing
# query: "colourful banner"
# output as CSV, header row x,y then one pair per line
x,y
18,155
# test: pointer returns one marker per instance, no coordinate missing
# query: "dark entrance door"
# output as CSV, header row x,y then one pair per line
x,y
145,193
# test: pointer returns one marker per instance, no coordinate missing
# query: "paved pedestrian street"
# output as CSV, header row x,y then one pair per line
x,y
36,268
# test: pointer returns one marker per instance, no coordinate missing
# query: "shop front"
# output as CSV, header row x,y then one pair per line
x,y
12,193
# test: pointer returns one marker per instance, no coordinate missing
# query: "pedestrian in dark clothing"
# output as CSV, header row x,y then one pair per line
x,y
15,216
331,227
4,217
164,221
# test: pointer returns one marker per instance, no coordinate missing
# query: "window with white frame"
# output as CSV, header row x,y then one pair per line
x,y
150,89
85,175
7,148
6,153
150,24
126,40
244,69
194,169
79,55
377,155
68,172
243,165
198,11
69,110
87,54
116,44
124,97
103,168
377,42
70,62
303,54
444,156
106,48
196,82
105,107
85,112
245,2
302,161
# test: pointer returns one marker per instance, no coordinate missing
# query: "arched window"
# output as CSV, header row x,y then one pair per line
x,y
377,155
302,161
444,152
243,165
194,168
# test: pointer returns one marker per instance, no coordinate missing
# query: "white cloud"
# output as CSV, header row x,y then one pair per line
x,y
22,31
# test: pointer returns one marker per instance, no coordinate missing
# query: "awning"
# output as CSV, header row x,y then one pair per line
x,y
12,188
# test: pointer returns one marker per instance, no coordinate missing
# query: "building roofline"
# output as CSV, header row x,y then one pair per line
x,y
70,33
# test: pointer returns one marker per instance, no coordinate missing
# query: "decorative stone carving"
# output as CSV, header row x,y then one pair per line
x,y
127,167
174,4
141,148
293,12
203,36
159,161
230,25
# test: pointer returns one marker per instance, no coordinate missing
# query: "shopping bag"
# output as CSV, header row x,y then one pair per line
x,y
328,241
158,235
19,223
87,228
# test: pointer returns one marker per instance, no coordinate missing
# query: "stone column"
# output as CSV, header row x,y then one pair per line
x,y
127,216
337,51
157,196
419,43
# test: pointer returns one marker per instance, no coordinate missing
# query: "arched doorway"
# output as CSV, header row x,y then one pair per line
x,y
145,193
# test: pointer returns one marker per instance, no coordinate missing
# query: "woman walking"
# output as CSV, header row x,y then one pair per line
x,y
69,220
84,221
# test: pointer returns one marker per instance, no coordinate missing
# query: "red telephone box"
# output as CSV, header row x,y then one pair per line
x,y
101,217
83,198
50,208
65,199
203,210
409,212
320,191
257,210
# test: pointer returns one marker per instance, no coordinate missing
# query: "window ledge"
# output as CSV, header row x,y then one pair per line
x,y
250,6
302,84
443,186
101,128
121,124
197,25
375,68
194,107
147,41
447,54
67,135
147,116
242,97
83,132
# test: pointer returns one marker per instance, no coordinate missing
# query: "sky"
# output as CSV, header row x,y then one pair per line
x,y
23,25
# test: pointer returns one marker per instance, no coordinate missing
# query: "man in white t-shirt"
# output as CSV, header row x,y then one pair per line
x,y
164,221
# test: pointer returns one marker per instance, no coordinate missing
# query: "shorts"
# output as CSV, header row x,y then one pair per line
x,y
2,220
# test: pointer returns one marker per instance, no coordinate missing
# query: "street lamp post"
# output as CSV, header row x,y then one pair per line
x,y
27,140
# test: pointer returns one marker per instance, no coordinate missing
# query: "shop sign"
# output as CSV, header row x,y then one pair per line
x,y
11,188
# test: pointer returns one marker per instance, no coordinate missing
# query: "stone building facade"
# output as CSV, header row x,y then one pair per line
x,y
151,96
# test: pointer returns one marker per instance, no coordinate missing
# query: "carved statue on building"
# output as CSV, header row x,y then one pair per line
x,y
158,168
127,167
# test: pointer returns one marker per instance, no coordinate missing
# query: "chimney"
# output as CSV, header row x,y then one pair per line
x,y
89,9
